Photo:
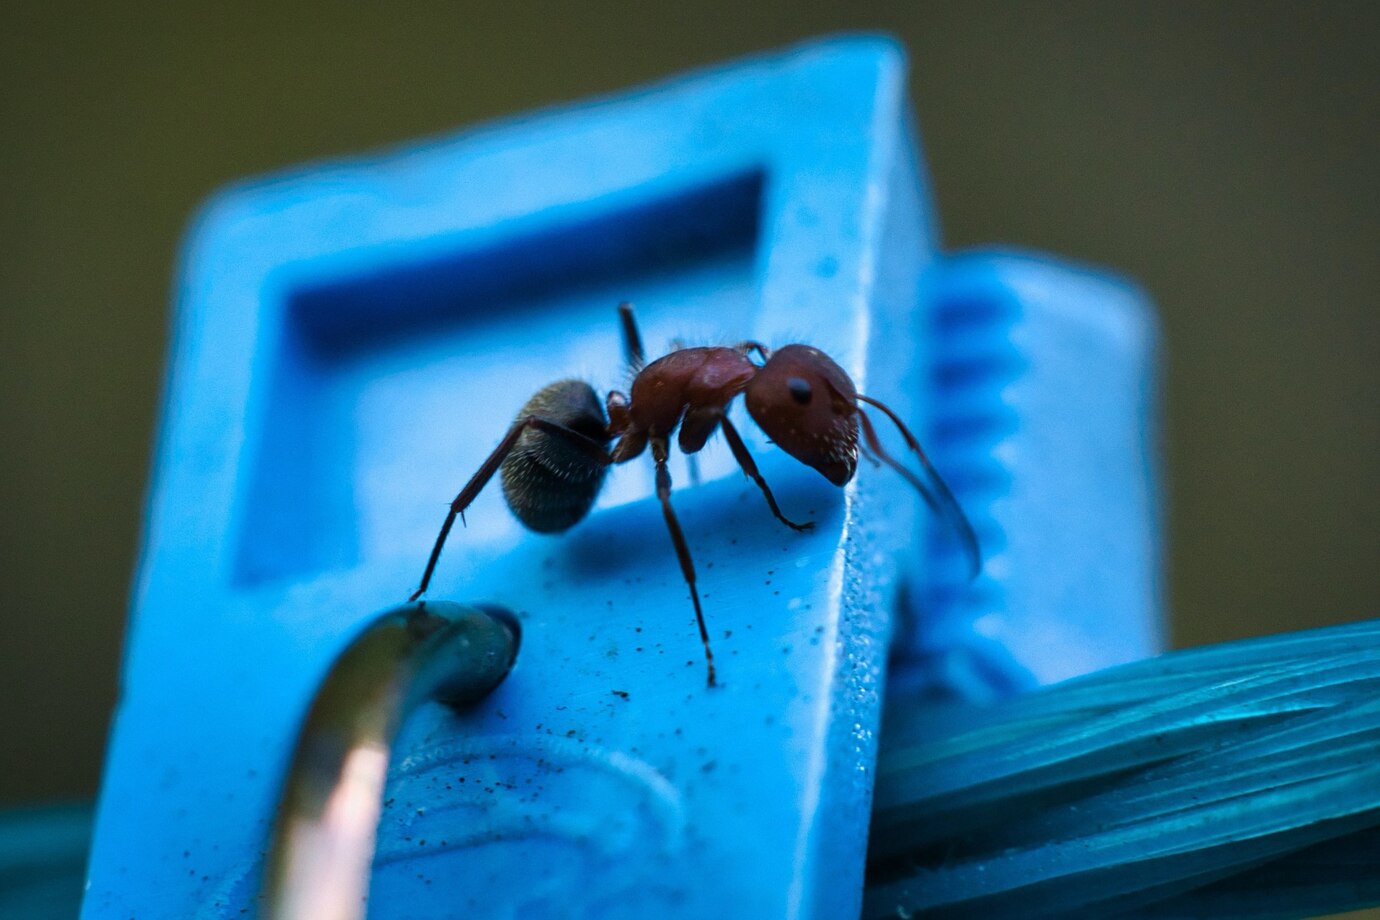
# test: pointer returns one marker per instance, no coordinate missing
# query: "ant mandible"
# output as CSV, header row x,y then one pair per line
x,y
554,458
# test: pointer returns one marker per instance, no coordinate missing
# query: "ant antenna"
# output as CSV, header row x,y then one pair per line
x,y
941,500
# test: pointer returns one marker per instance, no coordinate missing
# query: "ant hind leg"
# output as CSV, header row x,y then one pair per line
x,y
597,452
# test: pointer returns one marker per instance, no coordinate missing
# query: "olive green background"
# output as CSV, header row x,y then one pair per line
x,y
1224,155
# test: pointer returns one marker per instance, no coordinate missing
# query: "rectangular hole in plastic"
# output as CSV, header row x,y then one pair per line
x,y
388,389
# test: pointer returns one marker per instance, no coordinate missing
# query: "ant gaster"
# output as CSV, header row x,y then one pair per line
x,y
554,458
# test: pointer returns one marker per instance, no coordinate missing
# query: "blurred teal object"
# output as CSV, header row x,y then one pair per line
x,y
1240,780
43,853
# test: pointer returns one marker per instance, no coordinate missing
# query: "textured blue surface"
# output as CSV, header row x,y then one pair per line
x,y
1046,422
353,339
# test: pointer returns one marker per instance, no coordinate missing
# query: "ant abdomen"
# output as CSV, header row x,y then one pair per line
x,y
549,481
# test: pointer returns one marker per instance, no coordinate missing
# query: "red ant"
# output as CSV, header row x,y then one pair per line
x,y
554,458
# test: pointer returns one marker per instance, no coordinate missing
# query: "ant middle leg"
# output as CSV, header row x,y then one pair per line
x,y
740,453
596,452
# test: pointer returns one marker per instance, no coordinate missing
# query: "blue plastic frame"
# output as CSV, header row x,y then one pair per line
x,y
352,339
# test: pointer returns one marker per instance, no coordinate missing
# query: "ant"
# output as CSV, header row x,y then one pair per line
x,y
554,458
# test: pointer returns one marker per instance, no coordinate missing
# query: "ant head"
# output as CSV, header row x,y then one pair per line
x,y
808,406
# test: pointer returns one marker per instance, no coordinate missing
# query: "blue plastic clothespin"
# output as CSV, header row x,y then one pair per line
x,y
353,339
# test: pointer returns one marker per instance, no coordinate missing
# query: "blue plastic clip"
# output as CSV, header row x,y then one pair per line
x,y
354,339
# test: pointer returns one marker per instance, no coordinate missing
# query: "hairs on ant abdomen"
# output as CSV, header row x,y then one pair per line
x,y
554,458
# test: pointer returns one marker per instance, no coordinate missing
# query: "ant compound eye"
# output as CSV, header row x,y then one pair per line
x,y
800,390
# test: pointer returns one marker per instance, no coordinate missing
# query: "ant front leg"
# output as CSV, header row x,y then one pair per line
x,y
660,452
740,453
597,453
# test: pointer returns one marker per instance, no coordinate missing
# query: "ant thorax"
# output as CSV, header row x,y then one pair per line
x,y
687,379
